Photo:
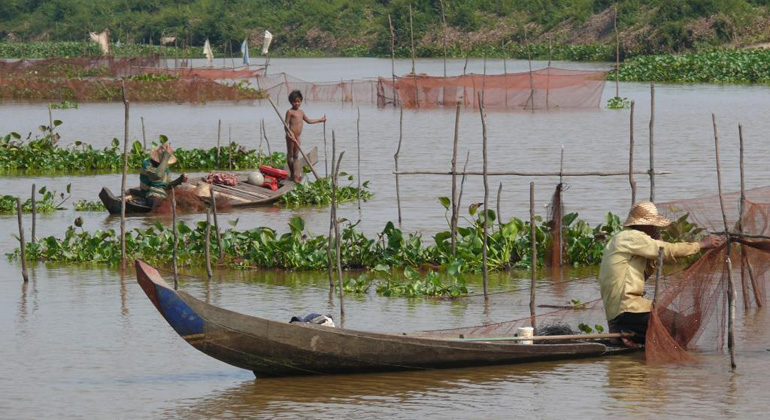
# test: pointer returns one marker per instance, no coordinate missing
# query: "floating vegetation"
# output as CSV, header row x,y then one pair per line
x,y
45,204
43,153
318,193
618,103
720,66
85,205
64,105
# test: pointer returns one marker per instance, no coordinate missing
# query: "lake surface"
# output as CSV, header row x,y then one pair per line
x,y
83,342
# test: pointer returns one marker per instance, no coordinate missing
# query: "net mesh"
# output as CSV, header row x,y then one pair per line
x,y
691,307
549,88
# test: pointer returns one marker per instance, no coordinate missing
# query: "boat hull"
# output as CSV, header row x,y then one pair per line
x,y
271,348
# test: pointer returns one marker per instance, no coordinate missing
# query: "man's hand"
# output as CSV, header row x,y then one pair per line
x,y
322,119
712,241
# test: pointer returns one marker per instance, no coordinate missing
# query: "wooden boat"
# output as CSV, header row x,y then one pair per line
x,y
241,195
272,348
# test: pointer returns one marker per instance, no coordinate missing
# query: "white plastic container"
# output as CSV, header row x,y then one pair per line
x,y
526,332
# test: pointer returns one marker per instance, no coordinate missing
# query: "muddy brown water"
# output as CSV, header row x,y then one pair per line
x,y
81,342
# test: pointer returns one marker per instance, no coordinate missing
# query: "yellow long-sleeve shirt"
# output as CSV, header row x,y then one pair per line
x,y
624,261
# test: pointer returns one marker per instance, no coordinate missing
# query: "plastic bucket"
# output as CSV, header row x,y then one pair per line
x,y
526,332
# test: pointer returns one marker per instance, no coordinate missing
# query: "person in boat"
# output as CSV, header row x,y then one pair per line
x,y
294,120
154,176
629,258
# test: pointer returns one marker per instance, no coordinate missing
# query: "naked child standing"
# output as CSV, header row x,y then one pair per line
x,y
294,120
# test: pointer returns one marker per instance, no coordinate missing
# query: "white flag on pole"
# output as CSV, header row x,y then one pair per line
x,y
266,43
245,51
207,51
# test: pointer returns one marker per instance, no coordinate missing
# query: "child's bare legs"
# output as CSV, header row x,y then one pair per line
x,y
291,160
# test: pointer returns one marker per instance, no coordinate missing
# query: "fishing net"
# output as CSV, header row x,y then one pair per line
x,y
691,306
548,88
188,201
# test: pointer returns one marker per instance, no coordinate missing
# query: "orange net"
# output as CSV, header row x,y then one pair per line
x,y
548,88
691,307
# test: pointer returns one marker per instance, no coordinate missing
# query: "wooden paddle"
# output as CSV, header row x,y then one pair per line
x,y
288,130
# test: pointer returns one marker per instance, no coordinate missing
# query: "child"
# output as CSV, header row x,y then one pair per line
x,y
294,119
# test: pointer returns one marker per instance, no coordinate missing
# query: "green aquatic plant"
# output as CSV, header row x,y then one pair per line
x,y
64,105
618,103
85,205
319,192
46,203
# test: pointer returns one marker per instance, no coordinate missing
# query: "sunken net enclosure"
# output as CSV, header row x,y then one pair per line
x,y
690,311
549,88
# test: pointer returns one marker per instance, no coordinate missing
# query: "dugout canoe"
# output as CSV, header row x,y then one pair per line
x,y
242,194
272,348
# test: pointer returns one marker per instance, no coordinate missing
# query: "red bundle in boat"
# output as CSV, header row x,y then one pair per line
x,y
274,172
271,182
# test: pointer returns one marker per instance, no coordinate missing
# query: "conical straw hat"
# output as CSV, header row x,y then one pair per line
x,y
645,214
156,153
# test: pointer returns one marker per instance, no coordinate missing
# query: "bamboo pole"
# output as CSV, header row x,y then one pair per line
x,y
531,99
262,137
395,157
291,134
22,242
499,218
652,142
176,240
358,154
230,146
744,256
485,266
595,336
332,218
453,239
742,207
460,195
267,141
219,137
533,253
50,123
631,180
535,174
444,27
123,181
326,155
34,215
337,233
144,136
207,250
393,57
414,73
213,199
728,245
617,54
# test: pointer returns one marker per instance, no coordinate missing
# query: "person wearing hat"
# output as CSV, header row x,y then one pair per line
x,y
628,259
154,176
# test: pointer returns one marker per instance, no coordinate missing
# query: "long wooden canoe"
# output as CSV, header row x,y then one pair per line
x,y
272,348
241,195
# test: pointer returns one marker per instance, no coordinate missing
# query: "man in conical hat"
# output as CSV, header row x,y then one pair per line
x,y
628,259
154,176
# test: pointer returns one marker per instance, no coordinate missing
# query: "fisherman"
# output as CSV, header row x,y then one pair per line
x,y
629,259
154,176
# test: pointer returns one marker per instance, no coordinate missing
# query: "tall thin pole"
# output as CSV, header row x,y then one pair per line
x,y
631,180
486,200
499,218
533,251
230,146
395,157
219,138
22,242
123,181
728,245
267,141
742,208
411,36
34,214
332,218
531,99
443,38
393,58
326,155
358,155
207,249
337,233
453,239
652,142
617,54
176,239
744,256
213,199
144,137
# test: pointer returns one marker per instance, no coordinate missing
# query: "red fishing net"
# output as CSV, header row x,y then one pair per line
x,y
548,88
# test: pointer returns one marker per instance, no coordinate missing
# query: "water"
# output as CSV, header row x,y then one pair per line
x,y
82,342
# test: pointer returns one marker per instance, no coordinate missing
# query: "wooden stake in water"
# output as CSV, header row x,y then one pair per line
x,y
453,239
358,155
617,54
144,137
326,156
176,239
652,142
730,285
393,57
395,157
499,218
267,141
332,218
230,146
744,256
22,242
485,267
533,254
631,180
219,138
34,214
123,182
207,250
443,35
742,207
337,235
213,199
